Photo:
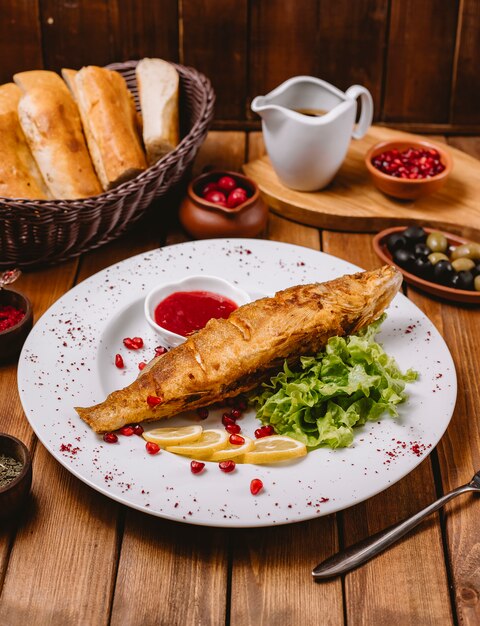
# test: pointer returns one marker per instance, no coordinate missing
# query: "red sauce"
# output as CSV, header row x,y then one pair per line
x,y
183,312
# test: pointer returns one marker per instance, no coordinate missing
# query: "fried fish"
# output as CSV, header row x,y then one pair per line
x,y
234,355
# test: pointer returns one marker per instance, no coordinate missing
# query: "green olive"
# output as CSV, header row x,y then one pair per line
x,y
435,257
463,264
476,283
437,242
467,250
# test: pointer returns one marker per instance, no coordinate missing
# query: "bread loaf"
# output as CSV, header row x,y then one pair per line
x,y
50,120
158,85
19,174
110,123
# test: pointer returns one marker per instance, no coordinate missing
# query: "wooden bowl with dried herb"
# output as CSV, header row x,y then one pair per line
x,y
15,474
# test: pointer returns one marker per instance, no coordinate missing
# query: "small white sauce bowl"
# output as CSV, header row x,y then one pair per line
x,y
192,283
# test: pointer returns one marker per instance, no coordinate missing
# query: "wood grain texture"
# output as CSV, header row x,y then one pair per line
x,y
351,44
76,33
466,93
66,577
170,573
217,46
142,28
420,60
20,38
222,151
271,580
417,588
352,203
78,525
283,41
12,419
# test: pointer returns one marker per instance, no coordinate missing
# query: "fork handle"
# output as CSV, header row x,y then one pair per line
x,y
364,550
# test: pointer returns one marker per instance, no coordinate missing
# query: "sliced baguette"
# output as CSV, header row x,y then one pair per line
x,y
50,120
110,123
158,85
19,174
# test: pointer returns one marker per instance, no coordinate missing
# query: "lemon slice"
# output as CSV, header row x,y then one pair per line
x,y
174,436
273,449
231,451
209,442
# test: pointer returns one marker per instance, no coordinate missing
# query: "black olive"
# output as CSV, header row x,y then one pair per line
x,y
395,242
443,272
414,235
404,258
476,270
423,268
463,280
421,250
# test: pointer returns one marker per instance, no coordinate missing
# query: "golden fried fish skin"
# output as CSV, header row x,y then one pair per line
x,y
231,356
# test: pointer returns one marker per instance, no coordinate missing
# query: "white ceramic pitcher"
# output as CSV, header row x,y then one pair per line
x,y
307,151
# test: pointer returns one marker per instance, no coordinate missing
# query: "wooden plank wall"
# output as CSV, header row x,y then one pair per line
x,y
419,59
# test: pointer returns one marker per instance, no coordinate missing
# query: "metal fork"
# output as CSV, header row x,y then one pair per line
x,y
363,551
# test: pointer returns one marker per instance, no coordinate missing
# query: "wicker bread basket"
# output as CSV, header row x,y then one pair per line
x,y
39,232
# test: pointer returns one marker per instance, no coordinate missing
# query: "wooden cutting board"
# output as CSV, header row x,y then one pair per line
x,y
352,203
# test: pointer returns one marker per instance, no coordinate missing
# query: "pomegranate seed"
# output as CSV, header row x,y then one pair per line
x,y
159,350
230,401
235,413
226,419
242,405
119,361
152,448
127,431
153,401
233,429
410,164
141,365
236,440
196,467
137,429
264,431
133,344
256,486
202,413
110,438
227,466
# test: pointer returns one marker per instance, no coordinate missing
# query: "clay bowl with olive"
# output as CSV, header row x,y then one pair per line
x,y
440,263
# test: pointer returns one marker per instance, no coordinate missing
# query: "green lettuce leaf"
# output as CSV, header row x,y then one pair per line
x,y
321,400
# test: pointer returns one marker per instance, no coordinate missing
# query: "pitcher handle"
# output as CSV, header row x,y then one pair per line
x,y
365,121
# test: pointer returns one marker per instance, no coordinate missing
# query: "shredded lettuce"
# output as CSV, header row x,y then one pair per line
x,y
319,402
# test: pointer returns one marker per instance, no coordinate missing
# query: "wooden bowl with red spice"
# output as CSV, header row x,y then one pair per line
x,y
16,321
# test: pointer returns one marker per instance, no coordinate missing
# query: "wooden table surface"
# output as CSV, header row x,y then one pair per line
x,y
76,557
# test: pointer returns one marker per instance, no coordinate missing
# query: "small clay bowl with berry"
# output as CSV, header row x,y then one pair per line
x,y
435,275
408,170
15,491
223,204
16,322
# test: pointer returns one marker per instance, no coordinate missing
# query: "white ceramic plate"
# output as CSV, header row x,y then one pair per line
x,y
68,360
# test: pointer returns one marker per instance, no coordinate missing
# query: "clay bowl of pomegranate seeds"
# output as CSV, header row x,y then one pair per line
x,y
440,263
15,474
223,204
408,169
16,322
